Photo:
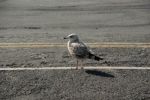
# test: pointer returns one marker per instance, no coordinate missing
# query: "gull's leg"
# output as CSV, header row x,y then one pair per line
x,y
77,64
82,66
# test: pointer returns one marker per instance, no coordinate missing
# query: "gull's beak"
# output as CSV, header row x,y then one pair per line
x,y
65,37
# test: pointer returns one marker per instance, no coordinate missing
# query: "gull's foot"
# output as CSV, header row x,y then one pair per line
x,y
77,68
82,68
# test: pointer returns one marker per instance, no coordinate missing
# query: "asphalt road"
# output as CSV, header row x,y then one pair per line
x,y
48,21
58,56
94,21
75,85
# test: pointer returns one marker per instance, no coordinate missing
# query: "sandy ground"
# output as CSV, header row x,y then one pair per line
x,y
95,21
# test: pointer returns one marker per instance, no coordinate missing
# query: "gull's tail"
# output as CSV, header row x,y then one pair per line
x,y
92,56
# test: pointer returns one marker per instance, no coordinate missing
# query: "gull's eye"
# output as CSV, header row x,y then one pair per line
x,y
71,36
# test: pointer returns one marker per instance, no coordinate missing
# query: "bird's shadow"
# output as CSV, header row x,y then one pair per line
x,y
99,73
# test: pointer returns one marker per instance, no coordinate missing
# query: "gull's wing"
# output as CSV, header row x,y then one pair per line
x,y
80,50
89,49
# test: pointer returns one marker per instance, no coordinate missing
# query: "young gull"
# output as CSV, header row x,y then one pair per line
x,y
79,50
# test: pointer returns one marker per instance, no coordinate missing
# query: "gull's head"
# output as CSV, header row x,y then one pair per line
x,y
72,37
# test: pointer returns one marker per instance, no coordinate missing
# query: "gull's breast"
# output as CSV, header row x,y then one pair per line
x,y
77,50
